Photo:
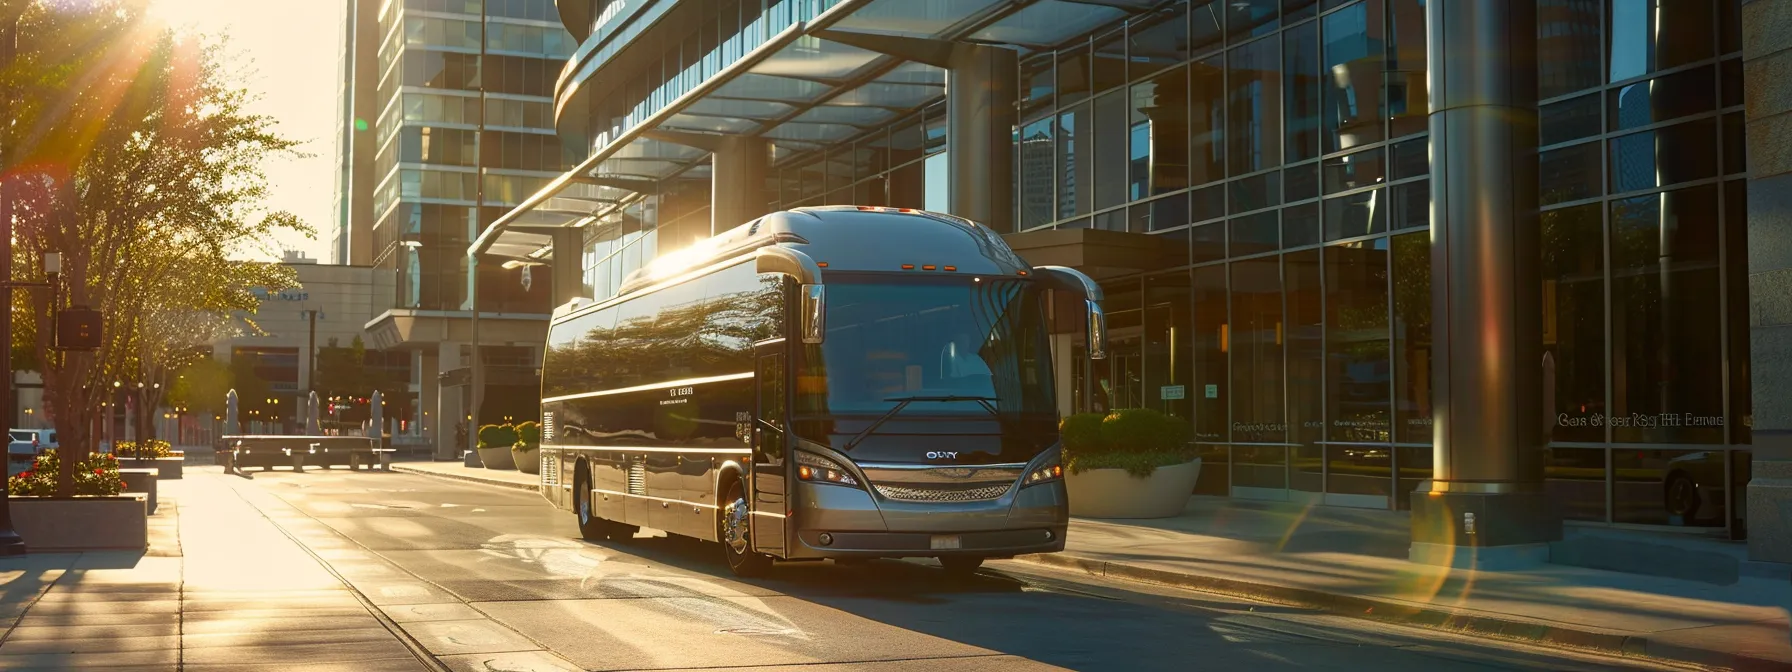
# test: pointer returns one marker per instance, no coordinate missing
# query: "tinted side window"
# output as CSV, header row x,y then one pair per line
x,y
631,340
677,333
733,323
572,363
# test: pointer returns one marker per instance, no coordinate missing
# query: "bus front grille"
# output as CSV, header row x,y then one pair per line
x,y
926,494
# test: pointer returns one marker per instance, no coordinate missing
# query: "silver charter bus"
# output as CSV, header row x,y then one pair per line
x,y
839,382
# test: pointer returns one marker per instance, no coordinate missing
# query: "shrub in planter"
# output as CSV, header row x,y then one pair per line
x,y
151,448
1130,463
528,441
492,436
495,442
1138,440
95,476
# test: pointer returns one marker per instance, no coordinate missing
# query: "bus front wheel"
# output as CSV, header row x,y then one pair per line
x,y
591,527
733,523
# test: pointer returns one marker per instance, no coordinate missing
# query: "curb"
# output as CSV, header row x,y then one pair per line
x,y
1474,625
467,479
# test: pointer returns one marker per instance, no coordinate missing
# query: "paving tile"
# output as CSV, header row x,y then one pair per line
x,y
44,619
238,656
413,613
57,595
213,602
59,632
290,636
525,661
278,623
405,664
274,612
119,640
103,605
165,659
74,585
473,636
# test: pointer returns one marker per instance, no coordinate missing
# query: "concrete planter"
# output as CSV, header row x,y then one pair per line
x,y
497,458
1113,493
50,525
170,468
140,480
527,460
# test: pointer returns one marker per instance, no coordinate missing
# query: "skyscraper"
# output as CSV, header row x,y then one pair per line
x,y
422,154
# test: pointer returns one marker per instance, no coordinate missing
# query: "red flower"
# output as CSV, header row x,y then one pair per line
x,y
100,472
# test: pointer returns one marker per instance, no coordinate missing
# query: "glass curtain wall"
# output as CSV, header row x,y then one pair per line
x,y
1282,144
1297,176
1644,260
429,145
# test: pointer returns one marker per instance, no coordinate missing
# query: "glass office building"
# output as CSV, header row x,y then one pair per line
x,y
1251,182
444,133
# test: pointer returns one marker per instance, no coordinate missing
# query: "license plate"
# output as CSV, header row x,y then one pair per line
x,y
946,542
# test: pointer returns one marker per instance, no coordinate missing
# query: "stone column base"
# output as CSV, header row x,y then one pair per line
x,y
1769,502
1489,531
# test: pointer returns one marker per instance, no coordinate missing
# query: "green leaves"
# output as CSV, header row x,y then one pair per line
x,y
132,154
1138,440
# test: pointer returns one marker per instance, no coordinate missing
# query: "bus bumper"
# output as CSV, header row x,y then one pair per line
x,y
860,525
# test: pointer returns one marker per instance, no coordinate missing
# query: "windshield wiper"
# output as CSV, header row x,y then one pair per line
x,y
903,402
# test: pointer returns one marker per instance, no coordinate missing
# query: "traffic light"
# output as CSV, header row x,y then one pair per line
x,y
78,328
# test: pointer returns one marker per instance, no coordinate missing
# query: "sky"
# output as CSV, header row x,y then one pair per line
x,y
288,52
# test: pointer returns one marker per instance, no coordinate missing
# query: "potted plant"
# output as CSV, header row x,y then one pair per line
x,y
527,450
495,442
168,461
98,517
1129,463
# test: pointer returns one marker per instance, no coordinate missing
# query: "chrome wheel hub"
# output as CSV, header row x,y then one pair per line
x,y
734,525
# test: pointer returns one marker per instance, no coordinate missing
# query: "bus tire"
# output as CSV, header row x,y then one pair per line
x,y
733,527
591,527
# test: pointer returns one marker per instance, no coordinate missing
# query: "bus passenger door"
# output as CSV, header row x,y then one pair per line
x,y
769,484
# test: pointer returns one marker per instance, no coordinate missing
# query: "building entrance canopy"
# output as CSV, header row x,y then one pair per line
x,y
799,90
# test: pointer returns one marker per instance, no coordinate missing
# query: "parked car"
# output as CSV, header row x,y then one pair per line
x,y
25,444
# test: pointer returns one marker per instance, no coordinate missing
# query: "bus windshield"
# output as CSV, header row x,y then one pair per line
x,y
952,346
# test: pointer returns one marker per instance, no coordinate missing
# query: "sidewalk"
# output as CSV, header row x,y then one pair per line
x,y
509,478
1354,562
220,588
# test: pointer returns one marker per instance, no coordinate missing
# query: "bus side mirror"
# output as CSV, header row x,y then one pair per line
x,y
813,323
1098,331
1095,329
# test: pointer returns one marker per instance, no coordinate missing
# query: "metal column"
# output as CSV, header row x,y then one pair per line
x,y
980,119
737,185
1484,506
568,275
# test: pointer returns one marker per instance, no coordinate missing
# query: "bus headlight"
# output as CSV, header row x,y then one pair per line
x,y
817,469
1045,474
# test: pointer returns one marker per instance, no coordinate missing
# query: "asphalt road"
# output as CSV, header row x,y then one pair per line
x,y
497,566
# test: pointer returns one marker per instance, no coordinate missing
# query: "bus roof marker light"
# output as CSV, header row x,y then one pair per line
x,y
929,267
951,268
908,267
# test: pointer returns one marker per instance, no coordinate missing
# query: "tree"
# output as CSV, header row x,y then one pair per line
x,y
129,152
201,387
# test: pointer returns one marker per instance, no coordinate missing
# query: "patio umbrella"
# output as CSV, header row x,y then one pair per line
x,y
312,427
230,413
378,425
